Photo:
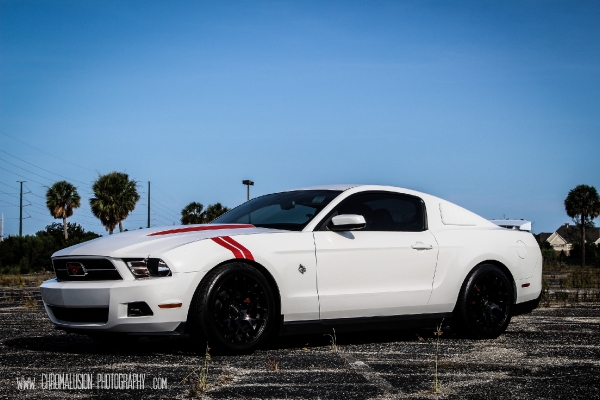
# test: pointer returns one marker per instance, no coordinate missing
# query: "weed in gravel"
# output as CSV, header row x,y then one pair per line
x,y
333,341
198,378
272,363
226,377
30,301
436,382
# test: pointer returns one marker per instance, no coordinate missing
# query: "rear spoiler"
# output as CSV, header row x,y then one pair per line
x,y
516,224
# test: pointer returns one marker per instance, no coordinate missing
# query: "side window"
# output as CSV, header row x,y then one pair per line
x,y
386,211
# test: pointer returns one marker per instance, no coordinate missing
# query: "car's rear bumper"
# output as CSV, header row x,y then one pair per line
x,y
102,306
527,306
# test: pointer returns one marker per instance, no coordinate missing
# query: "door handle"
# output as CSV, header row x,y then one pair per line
x,y
421,246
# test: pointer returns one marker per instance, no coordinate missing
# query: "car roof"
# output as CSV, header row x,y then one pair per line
x,y
327,187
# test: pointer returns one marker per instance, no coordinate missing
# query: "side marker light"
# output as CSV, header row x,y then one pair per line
x,y
170,305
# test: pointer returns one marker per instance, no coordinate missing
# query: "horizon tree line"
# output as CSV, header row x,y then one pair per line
x,y
115,197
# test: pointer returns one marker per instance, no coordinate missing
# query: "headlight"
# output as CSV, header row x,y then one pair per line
x,y
150,267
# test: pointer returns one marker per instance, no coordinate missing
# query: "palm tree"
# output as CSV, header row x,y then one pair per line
x,y
583,205
214,211
115,197
193,213
61,199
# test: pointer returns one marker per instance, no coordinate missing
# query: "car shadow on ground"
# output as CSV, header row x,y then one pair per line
x,y
70,343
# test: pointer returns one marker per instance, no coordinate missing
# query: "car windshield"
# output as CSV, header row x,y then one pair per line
x,y
288,210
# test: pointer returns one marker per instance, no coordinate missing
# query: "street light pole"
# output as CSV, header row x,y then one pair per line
x,y
248,183
148,204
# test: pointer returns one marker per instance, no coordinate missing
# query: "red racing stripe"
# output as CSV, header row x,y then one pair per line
x,y
245,251
236,252
202,228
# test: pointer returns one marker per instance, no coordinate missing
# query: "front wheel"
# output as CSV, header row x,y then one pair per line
x,y
485,303
233,309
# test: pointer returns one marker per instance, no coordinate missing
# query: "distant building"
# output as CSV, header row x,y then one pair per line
x,y
564,237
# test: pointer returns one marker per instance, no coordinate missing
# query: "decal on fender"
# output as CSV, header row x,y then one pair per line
x,y
238,250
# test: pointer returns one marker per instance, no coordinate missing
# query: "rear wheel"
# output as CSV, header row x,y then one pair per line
x,y
485,303
233,309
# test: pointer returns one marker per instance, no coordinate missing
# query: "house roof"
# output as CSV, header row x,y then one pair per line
x,y
571,233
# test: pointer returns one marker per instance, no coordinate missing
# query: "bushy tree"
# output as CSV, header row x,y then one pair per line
x,y
549,256
76,234
583,205
32,253
214,211
193,213
115,197
592,254
61,199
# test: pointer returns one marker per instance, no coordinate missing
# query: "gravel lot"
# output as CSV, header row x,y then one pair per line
x,y
552,353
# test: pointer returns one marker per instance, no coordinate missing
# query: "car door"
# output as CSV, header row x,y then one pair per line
x,y
384,269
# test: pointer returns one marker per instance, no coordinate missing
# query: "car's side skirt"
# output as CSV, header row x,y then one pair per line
x,y
363,323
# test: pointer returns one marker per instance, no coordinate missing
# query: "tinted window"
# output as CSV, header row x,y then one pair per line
x,y
287,210
386,211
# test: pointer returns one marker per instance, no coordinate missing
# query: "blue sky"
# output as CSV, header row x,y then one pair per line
x,y
492,105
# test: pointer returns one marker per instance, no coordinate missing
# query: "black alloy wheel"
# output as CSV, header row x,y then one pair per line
x,y
485,303
235,308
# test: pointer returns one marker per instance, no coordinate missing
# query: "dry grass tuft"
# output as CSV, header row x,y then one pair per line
x,y
29,300
436,383
17,281
226,377
272,363
333,341
198,378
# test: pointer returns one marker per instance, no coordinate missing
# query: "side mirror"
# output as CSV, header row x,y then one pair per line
x,y
347,222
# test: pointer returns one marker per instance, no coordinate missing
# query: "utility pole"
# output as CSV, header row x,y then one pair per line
x,y
248,183
21,210
148,204
2,233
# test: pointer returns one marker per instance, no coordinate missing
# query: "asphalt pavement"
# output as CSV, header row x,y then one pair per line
x,y
553,353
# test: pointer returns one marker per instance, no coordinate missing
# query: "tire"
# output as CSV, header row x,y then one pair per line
x,y
485,303
234,309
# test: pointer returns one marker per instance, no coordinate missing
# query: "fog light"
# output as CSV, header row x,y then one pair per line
x,y
138,309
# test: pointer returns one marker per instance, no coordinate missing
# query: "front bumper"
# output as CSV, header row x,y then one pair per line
x,y
113,297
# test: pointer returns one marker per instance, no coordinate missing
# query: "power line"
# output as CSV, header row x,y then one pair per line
x,y
10,204
43,169
31,172
10,194
42,151
165,193
167,210
43,184
12,187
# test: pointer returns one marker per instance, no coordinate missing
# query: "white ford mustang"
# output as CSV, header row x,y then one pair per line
x,y
307,260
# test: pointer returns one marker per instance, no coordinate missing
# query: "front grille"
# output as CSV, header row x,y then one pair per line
x,y
96,269
92,315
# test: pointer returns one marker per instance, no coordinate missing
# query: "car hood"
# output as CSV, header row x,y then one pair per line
x,y
143,242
